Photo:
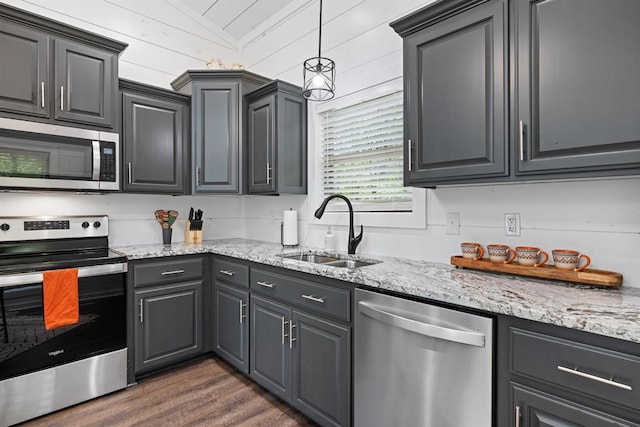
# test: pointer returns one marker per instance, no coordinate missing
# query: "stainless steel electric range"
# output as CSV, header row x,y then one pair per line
x,y
44,370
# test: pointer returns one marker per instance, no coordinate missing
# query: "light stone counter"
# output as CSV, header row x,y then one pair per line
x,y
613,312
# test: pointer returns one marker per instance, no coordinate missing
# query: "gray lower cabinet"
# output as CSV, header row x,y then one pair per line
x,y
553,376
155,139
300,345
231,325
277,139
538,409
218,116
56,72
270,360
167,311
169,327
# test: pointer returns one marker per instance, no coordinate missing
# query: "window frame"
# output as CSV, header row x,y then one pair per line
x,y
416,219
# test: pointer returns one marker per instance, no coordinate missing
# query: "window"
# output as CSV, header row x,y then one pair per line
x,y
362,155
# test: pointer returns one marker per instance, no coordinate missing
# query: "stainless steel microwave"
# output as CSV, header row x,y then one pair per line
x,y
44,156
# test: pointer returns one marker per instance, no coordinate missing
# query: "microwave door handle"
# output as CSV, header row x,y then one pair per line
x,y
96,160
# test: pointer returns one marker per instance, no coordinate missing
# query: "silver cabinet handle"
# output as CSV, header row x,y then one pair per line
x,y
227,272
172,272
61,98
198,176
426,329
268,173
129,170
42,94
410,149
291,338
610,382
312,298
140,314
265,284
517,415
243,316
521,131
284,334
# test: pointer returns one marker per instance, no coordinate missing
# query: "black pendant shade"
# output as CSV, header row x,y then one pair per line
x,y
319,73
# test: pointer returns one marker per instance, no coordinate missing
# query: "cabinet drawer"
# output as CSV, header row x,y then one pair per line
x,y
586,369
231,272
321,298
167,271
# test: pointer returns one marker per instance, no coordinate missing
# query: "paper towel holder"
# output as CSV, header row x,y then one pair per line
x,y
282,237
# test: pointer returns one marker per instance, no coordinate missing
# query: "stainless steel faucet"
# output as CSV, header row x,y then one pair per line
x,y
353,241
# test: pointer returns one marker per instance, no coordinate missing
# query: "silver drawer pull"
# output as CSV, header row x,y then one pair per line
x,y
227,272
291,338
265,284
575,371
172,272
312,298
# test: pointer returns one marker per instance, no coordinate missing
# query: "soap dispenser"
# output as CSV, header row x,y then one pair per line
x,y
329,242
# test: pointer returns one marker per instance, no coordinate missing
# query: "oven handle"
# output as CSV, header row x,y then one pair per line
x,y
91,271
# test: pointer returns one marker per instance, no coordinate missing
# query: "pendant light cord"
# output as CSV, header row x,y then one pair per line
x,y
320,32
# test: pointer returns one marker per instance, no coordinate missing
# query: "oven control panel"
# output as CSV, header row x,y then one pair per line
x,y
36,228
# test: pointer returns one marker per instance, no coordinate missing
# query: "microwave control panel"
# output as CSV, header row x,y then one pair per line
x,y
107,161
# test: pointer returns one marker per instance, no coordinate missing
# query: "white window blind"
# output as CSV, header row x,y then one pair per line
x,y
363,155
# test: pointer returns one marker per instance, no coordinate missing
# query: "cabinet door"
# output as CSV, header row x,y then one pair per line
x,y
455,98
533,408
154,142
216,155
168,324
321,369
262,138
86,85
270,354
578,96
231,329
23,70
290,172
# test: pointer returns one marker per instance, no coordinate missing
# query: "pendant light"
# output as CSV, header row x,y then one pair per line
x,y
319,73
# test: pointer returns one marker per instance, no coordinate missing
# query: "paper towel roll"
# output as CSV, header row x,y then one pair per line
x,y
290,228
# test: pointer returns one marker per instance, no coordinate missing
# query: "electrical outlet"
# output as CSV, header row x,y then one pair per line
x,y
453,223
512,224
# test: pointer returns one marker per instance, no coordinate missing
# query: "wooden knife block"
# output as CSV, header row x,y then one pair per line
x,y
192,236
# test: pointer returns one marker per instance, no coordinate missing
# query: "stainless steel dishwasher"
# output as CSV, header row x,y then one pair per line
x,y
417,364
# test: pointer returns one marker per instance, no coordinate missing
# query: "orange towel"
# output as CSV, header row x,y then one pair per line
x,y
60,294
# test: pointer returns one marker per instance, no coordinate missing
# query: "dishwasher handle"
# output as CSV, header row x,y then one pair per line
x,y
426,329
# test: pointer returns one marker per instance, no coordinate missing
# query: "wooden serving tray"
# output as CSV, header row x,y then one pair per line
x,y
588,276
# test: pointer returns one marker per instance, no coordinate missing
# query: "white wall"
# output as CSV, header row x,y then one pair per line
x,y
165,37
599,217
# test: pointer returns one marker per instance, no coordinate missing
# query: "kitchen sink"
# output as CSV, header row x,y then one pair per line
x,y
314,258
350,263
332,260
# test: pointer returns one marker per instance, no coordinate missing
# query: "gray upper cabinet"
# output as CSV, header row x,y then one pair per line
x,y
155,138
85,84
23,79
571,109
56,72
455,94
577,87
277,138
218,116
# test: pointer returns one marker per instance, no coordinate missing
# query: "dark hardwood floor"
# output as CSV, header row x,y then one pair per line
x,y
206,392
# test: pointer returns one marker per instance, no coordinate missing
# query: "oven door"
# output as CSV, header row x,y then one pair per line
x,y
26,346
39,155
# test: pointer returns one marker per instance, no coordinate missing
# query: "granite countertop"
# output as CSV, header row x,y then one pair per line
x,y
613,312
